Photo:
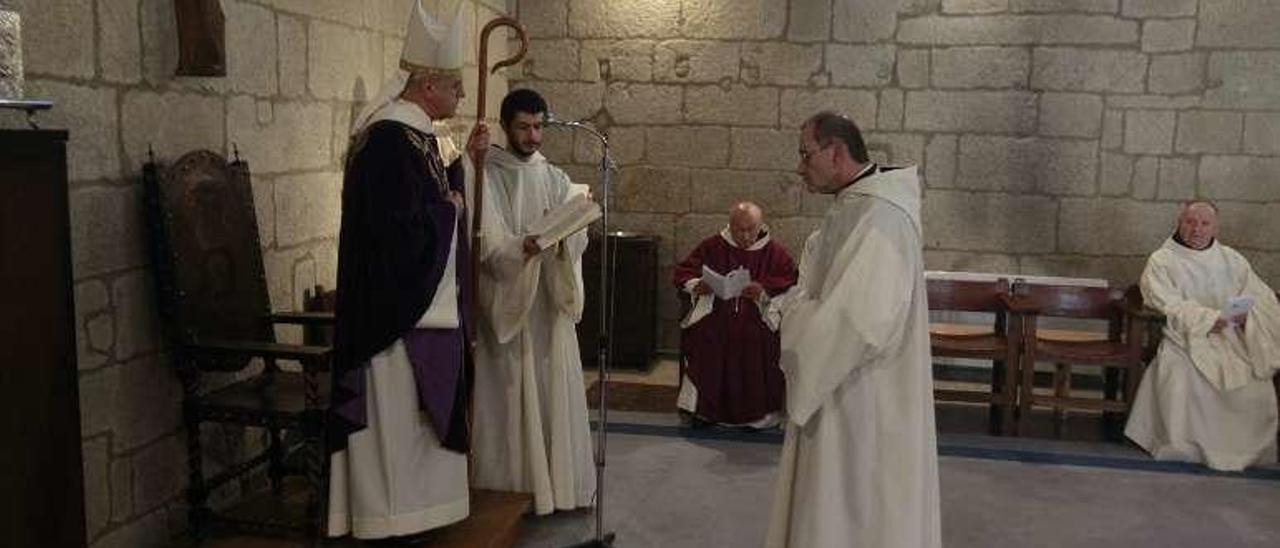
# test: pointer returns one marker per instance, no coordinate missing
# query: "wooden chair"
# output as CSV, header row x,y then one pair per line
x,y
987,342
217,319
320,302
1119,351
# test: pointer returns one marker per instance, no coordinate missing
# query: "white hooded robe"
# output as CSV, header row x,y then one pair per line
x,y
531,430
1208,397
859,465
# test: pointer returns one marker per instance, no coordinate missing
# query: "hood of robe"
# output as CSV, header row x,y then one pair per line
x,y
1212,250
503,158
760,243
899,186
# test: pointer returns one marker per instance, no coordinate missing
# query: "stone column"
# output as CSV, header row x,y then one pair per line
x,y
10,55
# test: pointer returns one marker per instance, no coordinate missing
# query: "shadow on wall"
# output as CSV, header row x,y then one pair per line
x,y
359,96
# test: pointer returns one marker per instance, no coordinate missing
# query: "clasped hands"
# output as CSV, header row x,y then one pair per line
x,y
1222,323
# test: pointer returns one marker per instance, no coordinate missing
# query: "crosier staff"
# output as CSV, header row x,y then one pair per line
x,y
477,161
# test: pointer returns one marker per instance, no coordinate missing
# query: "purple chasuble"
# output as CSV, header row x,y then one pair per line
x,y
393,245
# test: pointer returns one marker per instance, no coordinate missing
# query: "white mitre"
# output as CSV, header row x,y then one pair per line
x,y
433,47
430,47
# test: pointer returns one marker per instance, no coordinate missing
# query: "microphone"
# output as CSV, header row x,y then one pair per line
x,y
549,118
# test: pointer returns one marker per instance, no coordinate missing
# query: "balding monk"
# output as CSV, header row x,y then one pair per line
x,y
732,376
1207,396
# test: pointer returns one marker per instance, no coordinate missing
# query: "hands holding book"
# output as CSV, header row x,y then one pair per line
x,y
751,291
1235,313
560,223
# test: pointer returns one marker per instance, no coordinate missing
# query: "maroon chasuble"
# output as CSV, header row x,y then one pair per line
x,y
732,355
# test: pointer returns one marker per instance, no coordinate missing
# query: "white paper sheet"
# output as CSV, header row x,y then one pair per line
x,y
726,286
1237,308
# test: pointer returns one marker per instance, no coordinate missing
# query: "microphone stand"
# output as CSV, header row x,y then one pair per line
x,y
605,345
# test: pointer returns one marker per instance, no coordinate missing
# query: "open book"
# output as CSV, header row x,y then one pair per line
x,y
563,221
726,286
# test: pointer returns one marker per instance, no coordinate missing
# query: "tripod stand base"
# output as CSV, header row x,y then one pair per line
x,y
605,542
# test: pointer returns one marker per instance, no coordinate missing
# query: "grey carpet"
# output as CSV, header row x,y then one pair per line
x,y
672,491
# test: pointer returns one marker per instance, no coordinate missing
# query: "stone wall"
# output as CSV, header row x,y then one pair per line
x,y
296,71
10,54
1055,136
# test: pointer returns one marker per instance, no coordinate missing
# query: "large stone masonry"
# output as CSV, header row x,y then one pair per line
x,y
297,70
1054,136
10,54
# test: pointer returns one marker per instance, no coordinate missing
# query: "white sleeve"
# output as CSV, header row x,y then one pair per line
x,y
862,312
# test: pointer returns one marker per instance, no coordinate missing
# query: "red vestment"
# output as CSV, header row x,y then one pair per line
x,y
732,355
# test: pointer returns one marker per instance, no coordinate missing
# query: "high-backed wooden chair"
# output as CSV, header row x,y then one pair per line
x,y
984,342
321,303
1119,350
218,321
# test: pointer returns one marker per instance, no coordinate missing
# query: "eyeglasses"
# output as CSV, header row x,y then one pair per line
x,y
806,154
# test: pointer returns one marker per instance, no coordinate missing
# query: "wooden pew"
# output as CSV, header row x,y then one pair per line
x,y
977,341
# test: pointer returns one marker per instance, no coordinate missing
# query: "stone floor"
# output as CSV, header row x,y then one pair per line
x,y
673,487
1061,484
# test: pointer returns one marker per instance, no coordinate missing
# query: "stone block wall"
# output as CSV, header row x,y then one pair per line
x,y
10,54
297,70
1055,136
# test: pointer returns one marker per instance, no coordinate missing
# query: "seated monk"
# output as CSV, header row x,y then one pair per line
x,y
1207,396
732,376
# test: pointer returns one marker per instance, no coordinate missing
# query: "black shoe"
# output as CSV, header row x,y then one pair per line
x,y
693,421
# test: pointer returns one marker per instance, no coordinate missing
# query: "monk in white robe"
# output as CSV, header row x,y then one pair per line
x,y
1207,396
859,464
531,425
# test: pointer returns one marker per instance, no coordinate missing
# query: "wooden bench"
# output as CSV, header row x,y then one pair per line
x,y
977,341
1119,351
1040,318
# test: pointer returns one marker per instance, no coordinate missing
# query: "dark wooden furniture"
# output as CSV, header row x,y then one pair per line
x,y
202,47
40,465
986,342
323,302
1119,351
635,275
213,298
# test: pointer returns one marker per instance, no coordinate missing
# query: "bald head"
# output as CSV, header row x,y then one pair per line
x,y
745,221
1198,224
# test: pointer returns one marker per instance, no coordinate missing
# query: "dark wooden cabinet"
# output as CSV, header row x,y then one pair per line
x,y
634,328
41,485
